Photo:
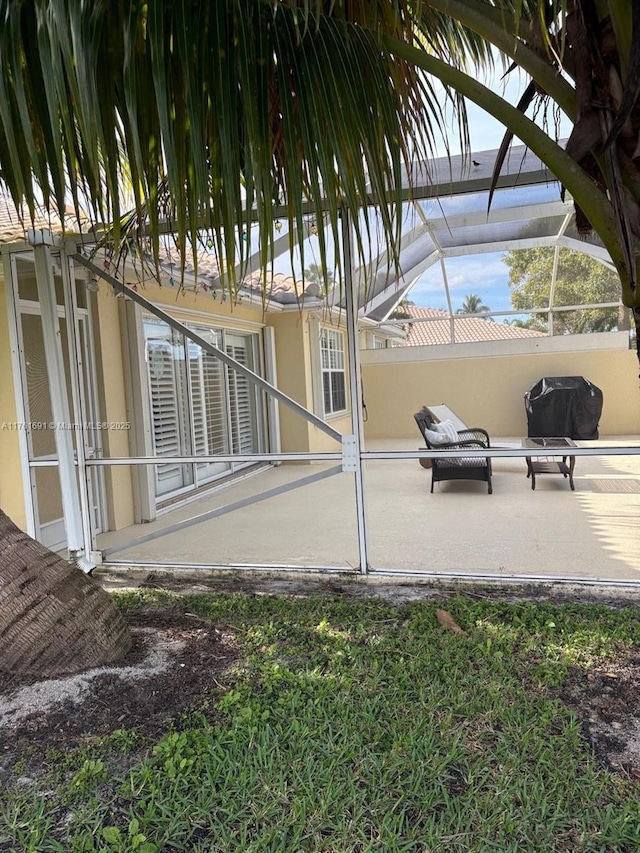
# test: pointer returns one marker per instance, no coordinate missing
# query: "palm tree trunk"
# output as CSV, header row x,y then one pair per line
x,y
54,619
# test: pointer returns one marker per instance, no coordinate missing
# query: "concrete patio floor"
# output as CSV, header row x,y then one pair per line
x,y
593,532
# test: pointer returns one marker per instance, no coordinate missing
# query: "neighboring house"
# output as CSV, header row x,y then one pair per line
x,y
442,328
143,389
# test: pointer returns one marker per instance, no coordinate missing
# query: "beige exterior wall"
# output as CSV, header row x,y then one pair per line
x,y
112,347
113,408
202,305
293,365
488,390
483,384
11,484
298,366
323,443
110,356
295,377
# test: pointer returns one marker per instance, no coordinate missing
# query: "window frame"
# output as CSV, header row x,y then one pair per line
x,y
327,334
200,480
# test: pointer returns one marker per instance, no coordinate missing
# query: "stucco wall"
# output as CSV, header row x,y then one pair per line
x,y
323,443
11,485
113,408
297,356
487,389
294,377
179,301
112,348
298,365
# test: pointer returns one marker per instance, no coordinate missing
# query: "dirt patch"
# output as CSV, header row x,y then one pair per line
x,y
606,699
352,585
176,661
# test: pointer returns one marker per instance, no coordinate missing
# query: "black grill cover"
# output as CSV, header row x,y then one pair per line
x,y
563,406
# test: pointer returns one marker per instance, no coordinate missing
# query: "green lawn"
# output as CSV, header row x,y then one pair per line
x,y
353,727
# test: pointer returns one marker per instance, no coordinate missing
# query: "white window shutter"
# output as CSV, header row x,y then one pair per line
x,y
241,398
165,414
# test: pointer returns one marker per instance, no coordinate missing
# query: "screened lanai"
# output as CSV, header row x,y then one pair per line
x,y
450,212
459,215
453,213
313,461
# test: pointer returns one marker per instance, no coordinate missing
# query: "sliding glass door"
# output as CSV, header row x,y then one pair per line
x,y
35,388
198,405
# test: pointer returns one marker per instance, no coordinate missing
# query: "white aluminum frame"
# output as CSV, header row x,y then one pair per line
x,y
73,316
352,455
74,508
271,373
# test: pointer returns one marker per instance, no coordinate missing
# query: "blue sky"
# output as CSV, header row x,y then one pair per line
x,y
484,275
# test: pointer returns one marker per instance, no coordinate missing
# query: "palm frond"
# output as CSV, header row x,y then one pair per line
x,y
218,111
525,100
228,113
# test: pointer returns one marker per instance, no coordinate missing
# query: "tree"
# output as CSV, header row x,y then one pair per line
x,y
54,619
209,110
535,322
579,280
213,109
473,305
315,275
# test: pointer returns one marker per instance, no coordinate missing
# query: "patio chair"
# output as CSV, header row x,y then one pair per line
x,y
455,468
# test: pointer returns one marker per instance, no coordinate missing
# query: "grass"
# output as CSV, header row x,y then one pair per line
x,y
356,727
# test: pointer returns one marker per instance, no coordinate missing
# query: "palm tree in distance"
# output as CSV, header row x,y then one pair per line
x,y
473,304
315,276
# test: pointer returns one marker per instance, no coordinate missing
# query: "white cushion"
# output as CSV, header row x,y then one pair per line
x,y
444,413
448,430
434,437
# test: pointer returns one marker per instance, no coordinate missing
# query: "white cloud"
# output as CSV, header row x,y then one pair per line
x,y
485,275
469,271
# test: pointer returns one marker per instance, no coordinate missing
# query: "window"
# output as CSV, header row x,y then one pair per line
x,y
333,375
198,405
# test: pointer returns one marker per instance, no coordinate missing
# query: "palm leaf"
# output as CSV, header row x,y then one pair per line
x,y
215,112
525,100
221,114
587,194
